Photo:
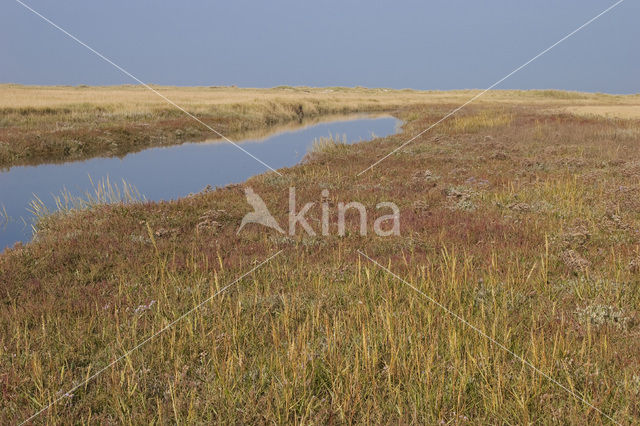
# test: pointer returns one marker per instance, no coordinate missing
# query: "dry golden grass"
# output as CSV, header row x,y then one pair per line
x,y
477,122
610,111
137,99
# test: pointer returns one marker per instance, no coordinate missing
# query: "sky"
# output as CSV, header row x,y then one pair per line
x,y
433,45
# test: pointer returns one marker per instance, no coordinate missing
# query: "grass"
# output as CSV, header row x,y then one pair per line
x,y
519,219
481,121
102,193
329,144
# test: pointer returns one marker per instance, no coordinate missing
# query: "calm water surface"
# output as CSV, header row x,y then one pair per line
x,y
169,172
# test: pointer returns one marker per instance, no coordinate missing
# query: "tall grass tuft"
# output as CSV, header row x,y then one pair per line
x,y
102,192
330,144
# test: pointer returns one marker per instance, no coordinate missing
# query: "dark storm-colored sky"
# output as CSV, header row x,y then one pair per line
x,y
443,44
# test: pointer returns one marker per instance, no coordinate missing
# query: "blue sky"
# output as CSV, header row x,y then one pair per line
x,y
441,44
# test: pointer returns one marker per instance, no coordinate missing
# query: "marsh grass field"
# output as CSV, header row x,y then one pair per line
x,y
44,124
517,214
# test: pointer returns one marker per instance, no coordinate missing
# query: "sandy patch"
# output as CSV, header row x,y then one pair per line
x,y
613,111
